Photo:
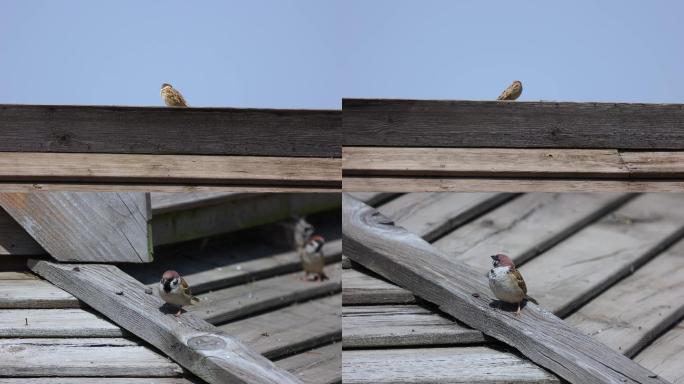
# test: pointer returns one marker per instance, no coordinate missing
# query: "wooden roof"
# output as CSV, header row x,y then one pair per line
x,y
610,264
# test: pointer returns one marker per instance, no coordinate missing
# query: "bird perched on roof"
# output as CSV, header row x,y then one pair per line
x,y
171,96
512,92
506,282
313,261
302,232
175,290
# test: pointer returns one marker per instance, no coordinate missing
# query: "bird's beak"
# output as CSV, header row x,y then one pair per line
x,y
493,257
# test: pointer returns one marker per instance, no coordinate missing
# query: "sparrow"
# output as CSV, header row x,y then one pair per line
x,y
506,282
302,233
313,261
171,96
175,290
512,92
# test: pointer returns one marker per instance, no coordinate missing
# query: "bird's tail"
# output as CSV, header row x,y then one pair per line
x,y
323,276
531,299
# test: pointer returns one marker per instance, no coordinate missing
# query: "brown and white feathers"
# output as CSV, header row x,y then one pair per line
x,y
172,97
512,92
173,289
313,260
506,282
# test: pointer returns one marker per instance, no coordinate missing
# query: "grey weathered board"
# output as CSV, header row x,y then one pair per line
x,y
374,242
234,302
444,123
158,130
318,366
359,288
440,365
100,380
666,355
82,357
84,226
14,240
374,326
526,226
62,322
196,345
431,215
290,329
29,293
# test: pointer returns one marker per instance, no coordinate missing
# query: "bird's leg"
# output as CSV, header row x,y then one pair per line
x,y
180,309
517,313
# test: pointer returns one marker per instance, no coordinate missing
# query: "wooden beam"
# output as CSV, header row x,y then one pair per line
x,y
234,212
454,123
26,293
196,345
178,187
483,162
318,366
169,169
155,130
361,289
61,322
100,380
477,184
665,356
80,226
374,242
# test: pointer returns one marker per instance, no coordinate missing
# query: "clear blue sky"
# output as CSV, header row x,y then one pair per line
x,y
308,54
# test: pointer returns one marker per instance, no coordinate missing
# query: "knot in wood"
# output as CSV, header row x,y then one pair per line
x,y
379,218
206,343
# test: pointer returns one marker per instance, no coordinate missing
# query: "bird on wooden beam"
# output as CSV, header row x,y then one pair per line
x,y
313,261
171,96
175,290
507,283
512,92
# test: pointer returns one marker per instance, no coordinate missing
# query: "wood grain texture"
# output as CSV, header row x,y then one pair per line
x,y
359,288
431,215
374,326
161,169
196,345
216,217
579,268
178,187
318,366
483,162
634,311
666,355
55,323
374,198
100,380
79,226
477,184
154,130
82,357
453,123
291,329
14,240
235,302
34,294
440,365
526,226
371,240
174,202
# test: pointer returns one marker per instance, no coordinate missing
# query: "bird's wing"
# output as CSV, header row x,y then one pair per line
x,y
519,279
186,287
178,98
506,93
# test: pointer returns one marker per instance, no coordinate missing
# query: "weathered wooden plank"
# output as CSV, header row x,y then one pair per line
x,y
174,202
317,366
235,213
374,198
191,342
359,288
291,329
242,300
80,226
55,323
630,314
371,240
14,240
220,269
34,294
455,123
431,215
81,357
178,187
666,355
17,275
471,184
654,164
526,226
483,162
440,365
577,269
100,380
206,131
160,169
373,326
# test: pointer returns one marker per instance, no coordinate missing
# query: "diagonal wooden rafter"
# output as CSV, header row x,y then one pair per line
x,y
83,226
190,341
373,241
